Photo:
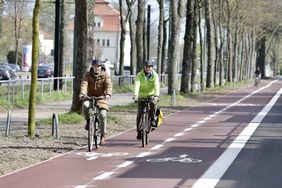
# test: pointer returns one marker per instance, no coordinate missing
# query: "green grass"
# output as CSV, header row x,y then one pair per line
x,y
67,118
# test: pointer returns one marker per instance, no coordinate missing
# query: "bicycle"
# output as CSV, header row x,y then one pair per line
x,y
145,120
94,133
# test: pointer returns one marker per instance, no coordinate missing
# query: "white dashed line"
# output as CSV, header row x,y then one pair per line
x,y
144,154
179,134
104,176
158,146
187,129
125,164
169,139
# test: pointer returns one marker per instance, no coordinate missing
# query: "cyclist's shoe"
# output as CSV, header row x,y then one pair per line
x,y
87,125
103,139
139,135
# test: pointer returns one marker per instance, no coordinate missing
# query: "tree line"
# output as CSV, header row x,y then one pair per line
x,y
224,40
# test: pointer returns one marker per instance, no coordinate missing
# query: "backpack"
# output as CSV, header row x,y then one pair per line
x,y
160,116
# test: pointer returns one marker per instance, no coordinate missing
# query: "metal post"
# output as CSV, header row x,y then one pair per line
x,y
8,122
173,97
55,127
57,42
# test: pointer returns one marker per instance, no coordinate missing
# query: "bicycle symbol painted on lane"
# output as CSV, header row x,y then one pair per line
x,y
94,155
184,158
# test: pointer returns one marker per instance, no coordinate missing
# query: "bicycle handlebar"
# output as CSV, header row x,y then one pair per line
x,y
93,97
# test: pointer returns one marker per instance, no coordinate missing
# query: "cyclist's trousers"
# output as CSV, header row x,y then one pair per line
x,y
102,116
152,113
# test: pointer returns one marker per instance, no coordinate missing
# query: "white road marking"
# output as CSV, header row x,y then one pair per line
x,y
104,176
158,146
143,154
179,134
214,173
125,164
188,129
169,140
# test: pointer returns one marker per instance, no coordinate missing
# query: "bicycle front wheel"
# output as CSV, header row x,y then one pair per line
x,y
144,130
91,134
97,133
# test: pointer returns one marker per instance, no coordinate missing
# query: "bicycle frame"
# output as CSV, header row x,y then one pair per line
x,y
146,127
94,129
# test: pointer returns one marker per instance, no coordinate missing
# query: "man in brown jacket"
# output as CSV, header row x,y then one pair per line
x,y
96,82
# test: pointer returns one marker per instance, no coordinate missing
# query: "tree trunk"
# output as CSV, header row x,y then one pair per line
x,y
187,52
261,55
35,53
1,17
61,43
160,36
80,61
133,47
164,48
194,48
122,38
175,7
139,35
210,47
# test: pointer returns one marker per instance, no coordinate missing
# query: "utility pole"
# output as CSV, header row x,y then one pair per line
x,y
148,30
57,42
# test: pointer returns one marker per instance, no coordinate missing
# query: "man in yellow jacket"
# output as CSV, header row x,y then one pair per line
x,y
96,83
146,85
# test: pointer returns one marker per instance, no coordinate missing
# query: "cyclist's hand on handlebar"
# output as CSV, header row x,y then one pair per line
x,y
135,98
107,97
81,96
156,98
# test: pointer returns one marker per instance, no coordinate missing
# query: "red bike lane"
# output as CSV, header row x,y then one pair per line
x,y
201,132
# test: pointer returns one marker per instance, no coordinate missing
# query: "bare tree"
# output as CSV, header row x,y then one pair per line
x,y
210,46
187,52
124,20
139,34
18,18
176,12
1,17
160,35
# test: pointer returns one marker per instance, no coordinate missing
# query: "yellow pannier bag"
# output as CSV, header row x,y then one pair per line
x,y
160,116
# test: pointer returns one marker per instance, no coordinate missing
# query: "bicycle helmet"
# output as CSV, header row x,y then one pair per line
x,y
97,62
148,63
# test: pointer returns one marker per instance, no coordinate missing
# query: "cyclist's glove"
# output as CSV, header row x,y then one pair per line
x,y
135,98
156,98
107,96
81,96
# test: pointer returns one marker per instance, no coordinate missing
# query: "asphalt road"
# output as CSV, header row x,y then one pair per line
x,y
233,141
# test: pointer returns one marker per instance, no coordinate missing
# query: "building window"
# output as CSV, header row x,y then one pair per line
x,y
103,42
98,42
108,43
99,24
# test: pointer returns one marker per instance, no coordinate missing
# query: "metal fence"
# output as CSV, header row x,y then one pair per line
x,y
10,89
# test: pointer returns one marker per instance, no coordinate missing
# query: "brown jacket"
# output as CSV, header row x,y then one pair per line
x,y
97,85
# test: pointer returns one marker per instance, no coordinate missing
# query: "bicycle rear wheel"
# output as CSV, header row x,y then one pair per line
x,y
144,130
97,133
91,134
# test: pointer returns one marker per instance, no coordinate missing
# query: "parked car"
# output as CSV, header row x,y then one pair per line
x,y
14,67
7,73
45,71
